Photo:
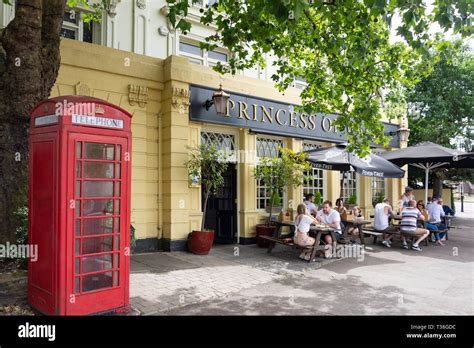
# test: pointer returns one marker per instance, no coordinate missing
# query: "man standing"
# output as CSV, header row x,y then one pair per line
x,y
405,198
408,226
382,215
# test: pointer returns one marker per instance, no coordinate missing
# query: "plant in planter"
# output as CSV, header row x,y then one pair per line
x,y
289,170
276,203
318,199
377,199
206,167
351,201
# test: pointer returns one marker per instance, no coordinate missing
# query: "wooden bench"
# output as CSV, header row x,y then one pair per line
x,y
288,242
371,231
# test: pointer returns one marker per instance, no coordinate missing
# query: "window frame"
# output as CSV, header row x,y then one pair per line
x,y
354,188
374,190
258,183
204,58
321,176
79,27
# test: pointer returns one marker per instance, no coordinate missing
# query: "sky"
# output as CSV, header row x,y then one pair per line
x,y
434,28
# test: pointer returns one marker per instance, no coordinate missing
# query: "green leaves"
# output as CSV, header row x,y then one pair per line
x,y
206,166
279,173
288,170
441,106
341,48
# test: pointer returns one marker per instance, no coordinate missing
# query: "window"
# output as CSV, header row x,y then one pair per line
x,y
378,190
315,182
76,29
300,83
202,3
198,56
266,147
213,57
193,52
349,184
223,142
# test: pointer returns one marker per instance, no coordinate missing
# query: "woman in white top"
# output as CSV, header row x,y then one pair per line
x,y
303,223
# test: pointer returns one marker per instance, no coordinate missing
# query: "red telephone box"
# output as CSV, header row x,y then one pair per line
x,y
79,204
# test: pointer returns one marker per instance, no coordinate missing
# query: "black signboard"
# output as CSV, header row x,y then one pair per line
x,y
270,117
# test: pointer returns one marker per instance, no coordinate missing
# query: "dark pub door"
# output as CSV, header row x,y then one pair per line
x,y
221,215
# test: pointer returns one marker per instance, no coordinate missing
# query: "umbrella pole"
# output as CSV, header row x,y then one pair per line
x,y
342,184
427,171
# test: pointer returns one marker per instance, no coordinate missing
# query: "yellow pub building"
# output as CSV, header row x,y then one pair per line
x,y
164,82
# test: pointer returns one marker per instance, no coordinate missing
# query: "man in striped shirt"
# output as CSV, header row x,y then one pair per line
x,y
408,227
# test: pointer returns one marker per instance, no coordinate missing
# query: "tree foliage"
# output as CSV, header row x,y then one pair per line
x,y
289,170
206,166
441,106
342,48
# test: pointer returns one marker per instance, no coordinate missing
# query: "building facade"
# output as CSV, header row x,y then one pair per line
x,y
163,80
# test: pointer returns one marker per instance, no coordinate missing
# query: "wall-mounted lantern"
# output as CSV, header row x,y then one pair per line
x,y
219,100
403,131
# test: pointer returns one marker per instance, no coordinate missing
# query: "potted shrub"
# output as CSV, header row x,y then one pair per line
x,y
377,199
206,167
279,173
318,200
351,202
276,204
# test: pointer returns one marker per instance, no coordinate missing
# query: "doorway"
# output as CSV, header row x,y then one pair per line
x,y
221,213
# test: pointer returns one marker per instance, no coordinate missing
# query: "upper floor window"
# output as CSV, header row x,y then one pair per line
x,y
196,55
300,83
75,28
206,3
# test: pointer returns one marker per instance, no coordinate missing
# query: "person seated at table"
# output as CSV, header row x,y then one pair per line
x,y
357,213
331,218
382,215
430,227
406,198
447,210
341,209
303,223
436,212
408,226
309,201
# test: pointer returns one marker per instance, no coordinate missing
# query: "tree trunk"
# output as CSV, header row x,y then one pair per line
x,y
342,185
204,210
272,192
29,65
437,186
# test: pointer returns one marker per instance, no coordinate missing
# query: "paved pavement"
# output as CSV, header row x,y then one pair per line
x,y
236,280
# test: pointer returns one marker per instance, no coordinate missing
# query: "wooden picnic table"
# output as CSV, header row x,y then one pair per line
x,y
316,231
356,223
280,224
447,221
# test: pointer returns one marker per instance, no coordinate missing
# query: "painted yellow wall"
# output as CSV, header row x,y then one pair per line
x,y
446,195
106,73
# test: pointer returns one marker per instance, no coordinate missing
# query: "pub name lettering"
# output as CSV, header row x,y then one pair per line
x,y
282,117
